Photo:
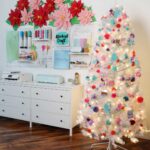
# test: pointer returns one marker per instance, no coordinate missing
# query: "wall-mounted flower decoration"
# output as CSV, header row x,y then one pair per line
x,y
58,13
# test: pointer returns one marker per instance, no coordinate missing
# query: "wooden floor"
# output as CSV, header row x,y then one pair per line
x,y
15,135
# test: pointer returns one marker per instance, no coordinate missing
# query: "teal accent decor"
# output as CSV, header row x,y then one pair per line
x,y
62,38
12,42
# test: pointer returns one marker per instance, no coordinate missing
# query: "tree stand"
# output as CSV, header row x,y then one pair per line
x,y
110,145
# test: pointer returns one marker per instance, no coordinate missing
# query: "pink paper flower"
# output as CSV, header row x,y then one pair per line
x,y
26,16
85,16
59,2
62,17
34,4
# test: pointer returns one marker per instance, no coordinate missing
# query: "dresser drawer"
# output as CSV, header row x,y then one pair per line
x,y
50,119
16,102
15,113
15,90
53,107
51,95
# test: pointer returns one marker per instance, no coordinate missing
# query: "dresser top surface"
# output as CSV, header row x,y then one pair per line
x,y
36,84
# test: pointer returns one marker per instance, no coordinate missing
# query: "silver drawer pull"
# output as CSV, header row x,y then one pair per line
x,y
61,108
3,100
22,92
22,114
3,110
61,96
3,90
37,93
37,116
22,103
37,105
61,120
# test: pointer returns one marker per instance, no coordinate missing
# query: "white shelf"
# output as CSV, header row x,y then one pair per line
x,y
77,53
41,40
78,65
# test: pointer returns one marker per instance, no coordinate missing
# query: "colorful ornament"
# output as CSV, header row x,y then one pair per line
x,y
107,108
130,114
140,99
86,100
114,95
114,57
132,122
95,109
108,122
107,36
126,98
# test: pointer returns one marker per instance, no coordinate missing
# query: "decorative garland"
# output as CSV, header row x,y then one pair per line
x,y
57,13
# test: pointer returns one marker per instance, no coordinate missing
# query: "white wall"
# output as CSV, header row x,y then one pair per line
x,y
139,14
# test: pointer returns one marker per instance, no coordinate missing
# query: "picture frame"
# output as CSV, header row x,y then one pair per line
x,y
62,38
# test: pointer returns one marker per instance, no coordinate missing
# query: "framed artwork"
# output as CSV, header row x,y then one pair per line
x,y
62,38
61,59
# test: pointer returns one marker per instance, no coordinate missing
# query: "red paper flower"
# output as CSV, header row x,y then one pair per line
x,y
21,4
76,8
40,17
49,6
15,17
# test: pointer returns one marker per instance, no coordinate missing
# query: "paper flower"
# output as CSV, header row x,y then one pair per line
x,y
76,8
62,17
85,16
40,17
21,4
26,16
58,2
34,4
15,17
49,6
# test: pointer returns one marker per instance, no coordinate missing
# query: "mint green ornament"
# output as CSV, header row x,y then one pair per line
x,y
127,28
114,68
100,38
137,63
126,56
114,57
94,78
108,122
112,22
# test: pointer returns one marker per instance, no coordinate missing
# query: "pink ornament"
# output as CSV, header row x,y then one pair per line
x,y
120,107
138,73
85,16
111,83
118,121
103,57
124,15
62,17
26,16
87,100
114,95
34,4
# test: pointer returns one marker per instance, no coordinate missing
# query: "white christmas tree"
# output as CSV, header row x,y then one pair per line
x,y
113,106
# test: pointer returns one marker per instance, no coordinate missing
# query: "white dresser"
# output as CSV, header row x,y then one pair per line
x,y
54,105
